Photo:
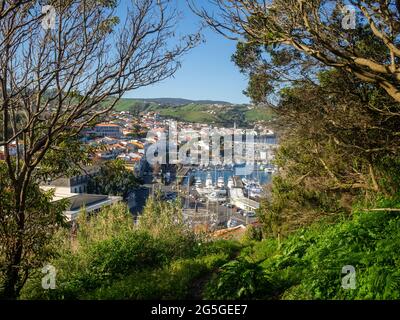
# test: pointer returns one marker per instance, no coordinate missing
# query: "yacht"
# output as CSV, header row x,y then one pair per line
x,y
197,182
230,183
208,188
220,182
209,182
254,190
217,196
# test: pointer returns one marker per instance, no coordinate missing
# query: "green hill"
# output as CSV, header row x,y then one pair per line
x,y
199,112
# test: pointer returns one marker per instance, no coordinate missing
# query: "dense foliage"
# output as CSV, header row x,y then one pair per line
x,y
43,219
308,264
110,257
113,178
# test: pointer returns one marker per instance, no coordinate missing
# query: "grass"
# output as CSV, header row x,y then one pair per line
x,y
242,115
126,104
202,113
189,113
110,258
259,114
308,263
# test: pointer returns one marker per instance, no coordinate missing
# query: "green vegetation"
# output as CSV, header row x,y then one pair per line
x,y
126,104
226,115
335,202
114,179
308,264
44,218
111,258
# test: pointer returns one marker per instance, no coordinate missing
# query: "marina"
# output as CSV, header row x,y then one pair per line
x,y
221,175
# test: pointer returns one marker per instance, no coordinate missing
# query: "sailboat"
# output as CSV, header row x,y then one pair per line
x,y
220,182
254,190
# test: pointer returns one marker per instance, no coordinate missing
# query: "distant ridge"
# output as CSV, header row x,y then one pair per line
x,y
198,111
177,101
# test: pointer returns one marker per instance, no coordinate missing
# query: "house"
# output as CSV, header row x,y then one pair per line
x,y
91,203
76,184
108,130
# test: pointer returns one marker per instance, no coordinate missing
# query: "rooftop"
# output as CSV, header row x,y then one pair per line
x,y
107,125
85,200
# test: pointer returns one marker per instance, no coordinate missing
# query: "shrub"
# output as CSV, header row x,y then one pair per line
x,y
239,279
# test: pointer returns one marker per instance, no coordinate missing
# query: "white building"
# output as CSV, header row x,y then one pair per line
x,y
108,130
239,200
91,203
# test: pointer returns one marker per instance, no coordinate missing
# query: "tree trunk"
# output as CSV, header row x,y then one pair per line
x,y
11,281
12,277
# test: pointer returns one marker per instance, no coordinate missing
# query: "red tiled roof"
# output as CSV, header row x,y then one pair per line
x,y
107,125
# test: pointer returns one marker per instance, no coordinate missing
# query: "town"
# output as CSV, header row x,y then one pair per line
x,y
217,150
214,194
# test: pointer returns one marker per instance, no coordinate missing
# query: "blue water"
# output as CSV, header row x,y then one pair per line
x,y
265,139
253,174
250,173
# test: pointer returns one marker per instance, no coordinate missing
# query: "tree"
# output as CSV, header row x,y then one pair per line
x,y
42,218
336,147
66,159
55,78
333,33
334,87
113,179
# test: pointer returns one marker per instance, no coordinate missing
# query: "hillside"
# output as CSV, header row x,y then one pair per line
x,y
242,115
125,103
114,260
204,111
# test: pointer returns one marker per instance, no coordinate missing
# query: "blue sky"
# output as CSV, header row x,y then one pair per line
x,y
207,71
